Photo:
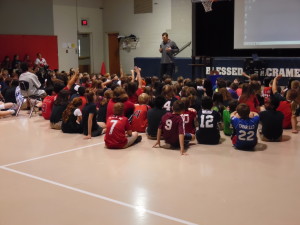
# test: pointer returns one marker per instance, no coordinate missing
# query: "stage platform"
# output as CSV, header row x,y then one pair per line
x,y
229,67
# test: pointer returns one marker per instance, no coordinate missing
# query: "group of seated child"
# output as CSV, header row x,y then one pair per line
x,y
176,112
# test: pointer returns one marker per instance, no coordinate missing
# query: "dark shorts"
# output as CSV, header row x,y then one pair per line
x,y
187,138
97,132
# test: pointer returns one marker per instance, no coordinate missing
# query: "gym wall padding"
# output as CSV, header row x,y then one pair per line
x,y
31,45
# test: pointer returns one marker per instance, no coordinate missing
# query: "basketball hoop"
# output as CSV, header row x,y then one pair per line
x,y
207,4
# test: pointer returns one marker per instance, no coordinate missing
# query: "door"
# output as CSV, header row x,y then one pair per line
x,y
84,53
114,53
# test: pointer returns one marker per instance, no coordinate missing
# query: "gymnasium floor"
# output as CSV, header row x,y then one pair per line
x,y
51,178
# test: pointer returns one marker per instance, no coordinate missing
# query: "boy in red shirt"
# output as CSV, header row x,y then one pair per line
x,y
172,129
189,117
47,104
117,128
139,120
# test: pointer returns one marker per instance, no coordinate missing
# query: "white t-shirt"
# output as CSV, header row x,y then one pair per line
x,y
40,62
77,112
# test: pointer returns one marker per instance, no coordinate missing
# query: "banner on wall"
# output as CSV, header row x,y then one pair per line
x,y
288,67
237,71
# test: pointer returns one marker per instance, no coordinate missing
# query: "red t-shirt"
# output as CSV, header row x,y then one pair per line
x,y
135,96
172,125
128,108
252,102
47,106
285,108
84,101
239,92
267,92
139,120
115,136
189,118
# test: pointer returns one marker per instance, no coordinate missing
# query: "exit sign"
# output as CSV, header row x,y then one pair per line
x,y
84,22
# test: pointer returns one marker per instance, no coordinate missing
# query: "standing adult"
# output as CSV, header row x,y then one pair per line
x,y
167,49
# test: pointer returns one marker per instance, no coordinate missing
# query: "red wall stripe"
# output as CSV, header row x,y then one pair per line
x,y
31,45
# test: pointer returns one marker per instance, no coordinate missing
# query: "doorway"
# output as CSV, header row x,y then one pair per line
x,y
84,53
114,53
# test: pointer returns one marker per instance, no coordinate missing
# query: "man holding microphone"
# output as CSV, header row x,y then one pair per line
x,y
167,49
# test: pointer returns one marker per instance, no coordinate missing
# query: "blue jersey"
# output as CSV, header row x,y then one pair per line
x,y
244,136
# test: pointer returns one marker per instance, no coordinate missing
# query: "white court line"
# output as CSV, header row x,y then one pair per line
x,y
54,154
138,208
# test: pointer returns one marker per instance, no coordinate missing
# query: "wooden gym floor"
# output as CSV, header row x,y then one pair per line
x,y
51,178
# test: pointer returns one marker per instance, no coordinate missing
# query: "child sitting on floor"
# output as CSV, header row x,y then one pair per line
x,y
208,132
117,128
245,125
189,117
154,116
172,129
72,116
271,121
139,120
226,117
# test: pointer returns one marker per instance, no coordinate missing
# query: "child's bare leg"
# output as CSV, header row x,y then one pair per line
x,y
6,105
6,113
294,124
39,104
166,146
193,137
131,139
101,124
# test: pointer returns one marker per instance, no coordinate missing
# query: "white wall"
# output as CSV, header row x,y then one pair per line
x,y
30,17
91,10
65,27
172,16
67,16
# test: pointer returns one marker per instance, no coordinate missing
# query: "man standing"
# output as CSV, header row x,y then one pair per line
x,y
167,49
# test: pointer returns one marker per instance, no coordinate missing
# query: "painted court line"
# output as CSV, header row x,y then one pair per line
x,y
54,154
138,208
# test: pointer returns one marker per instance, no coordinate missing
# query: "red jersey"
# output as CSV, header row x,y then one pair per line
x,y
239,92
115,136
286,109
135,96
172,125
189,118
128,108
252,102
47,106
267,92
139,120
84,101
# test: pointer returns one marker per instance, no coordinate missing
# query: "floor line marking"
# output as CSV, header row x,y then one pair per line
x,y
138,208
53,154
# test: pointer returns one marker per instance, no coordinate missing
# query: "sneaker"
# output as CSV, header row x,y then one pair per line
x,y
12,111
138,139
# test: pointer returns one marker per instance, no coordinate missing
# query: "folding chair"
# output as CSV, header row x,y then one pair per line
x,y
32,99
